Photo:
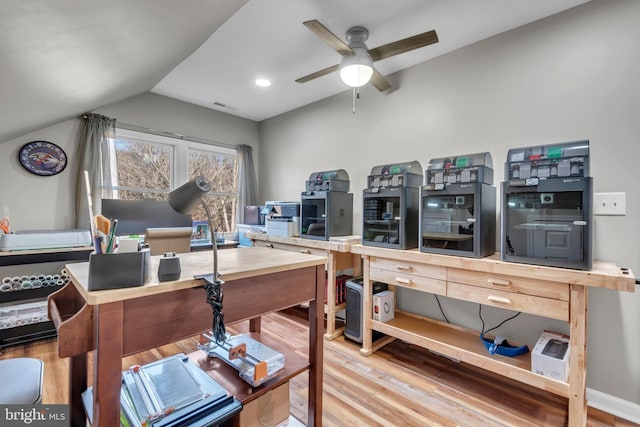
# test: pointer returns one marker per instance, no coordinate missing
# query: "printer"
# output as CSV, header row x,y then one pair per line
x,y
282,218
327,206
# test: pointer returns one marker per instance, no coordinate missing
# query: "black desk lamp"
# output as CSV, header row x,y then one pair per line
x,y
184,199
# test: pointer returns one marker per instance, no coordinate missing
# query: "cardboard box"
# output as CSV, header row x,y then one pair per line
x,y
550,356
383,306
267,410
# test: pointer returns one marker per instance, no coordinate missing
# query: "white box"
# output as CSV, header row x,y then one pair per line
x,y
383,306
128,244
282,227
550,356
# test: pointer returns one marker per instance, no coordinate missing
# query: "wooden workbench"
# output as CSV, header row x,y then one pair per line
x,y
545,291
339,256
120,322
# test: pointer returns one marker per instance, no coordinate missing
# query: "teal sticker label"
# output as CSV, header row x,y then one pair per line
x,y
554,152
461,162
329,175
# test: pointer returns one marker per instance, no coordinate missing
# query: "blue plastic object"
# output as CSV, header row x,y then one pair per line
x,y
502,347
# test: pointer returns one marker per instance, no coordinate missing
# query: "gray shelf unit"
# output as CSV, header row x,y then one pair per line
x,y
24,263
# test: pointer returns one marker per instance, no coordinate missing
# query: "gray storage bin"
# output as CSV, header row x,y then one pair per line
x,y
113,271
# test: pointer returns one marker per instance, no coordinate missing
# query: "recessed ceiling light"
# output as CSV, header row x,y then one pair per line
x,y
263,82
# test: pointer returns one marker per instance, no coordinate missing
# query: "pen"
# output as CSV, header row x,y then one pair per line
x,y
112,236
98,244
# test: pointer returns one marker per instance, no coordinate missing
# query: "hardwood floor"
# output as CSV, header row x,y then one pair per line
x,y
399,385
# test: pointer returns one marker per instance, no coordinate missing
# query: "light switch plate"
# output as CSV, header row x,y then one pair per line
x,y
609,203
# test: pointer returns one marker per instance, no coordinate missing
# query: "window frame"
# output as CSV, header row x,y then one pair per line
x,y
179,162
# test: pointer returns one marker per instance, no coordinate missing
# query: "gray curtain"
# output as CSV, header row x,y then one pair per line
x,y
247,183
94,156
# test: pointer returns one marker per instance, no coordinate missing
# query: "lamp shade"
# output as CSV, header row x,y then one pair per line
x,y
185,198
356,70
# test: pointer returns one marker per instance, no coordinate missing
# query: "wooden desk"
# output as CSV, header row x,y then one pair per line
x,y
339,257
545,291
120,322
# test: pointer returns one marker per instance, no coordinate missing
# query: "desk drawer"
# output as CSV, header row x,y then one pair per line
x,y
425,270
511,284
419,283
512,301
293,248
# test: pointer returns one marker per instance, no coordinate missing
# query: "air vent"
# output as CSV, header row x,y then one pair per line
x,y
221,105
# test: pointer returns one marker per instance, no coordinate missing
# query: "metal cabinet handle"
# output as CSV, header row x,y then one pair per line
x,y
403,281
305,251
499,300
403,267
499,282
269,245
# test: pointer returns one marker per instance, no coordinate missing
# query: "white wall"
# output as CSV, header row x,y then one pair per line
x,y
37,202
571,76
166,114
46,203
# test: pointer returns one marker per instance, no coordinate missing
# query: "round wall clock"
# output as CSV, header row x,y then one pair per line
x,y
42,158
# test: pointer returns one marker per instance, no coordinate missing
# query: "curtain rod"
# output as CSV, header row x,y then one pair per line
x,y
172,135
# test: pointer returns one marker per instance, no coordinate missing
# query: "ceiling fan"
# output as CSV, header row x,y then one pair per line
x,y
358,58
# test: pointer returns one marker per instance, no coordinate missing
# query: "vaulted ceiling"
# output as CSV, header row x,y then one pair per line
x,y
65,57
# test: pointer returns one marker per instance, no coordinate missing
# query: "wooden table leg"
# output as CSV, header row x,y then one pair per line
x,y
331,296
357,265
107,364
578,356
316,327
77,385
366,308
255,324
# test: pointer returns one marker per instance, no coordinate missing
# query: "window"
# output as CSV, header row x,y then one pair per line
x,y
144,167
150,166
221,170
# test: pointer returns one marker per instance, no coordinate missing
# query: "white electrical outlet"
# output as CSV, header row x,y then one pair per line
x,y
609,203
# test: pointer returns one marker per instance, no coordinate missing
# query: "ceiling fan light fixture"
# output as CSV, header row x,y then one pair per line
x,y
356,70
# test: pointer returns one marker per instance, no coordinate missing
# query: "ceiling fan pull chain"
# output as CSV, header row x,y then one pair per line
x,y
354,100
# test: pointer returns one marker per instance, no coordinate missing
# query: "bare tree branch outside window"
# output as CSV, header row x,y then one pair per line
x,y
221,170
145,171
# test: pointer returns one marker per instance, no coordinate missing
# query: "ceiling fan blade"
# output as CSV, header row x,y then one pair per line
x,y
328,37
404,45
317,74
379,81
